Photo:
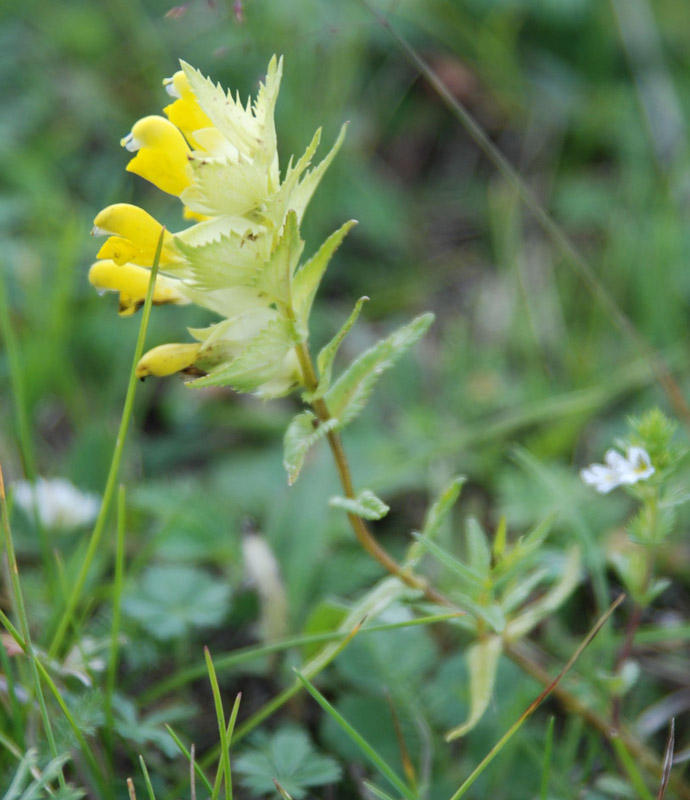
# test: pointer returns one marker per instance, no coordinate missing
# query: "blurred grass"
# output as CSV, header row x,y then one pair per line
x,y
520,354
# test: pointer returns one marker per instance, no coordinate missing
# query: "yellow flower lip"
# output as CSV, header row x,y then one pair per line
x,y
167,359
132,283
134,236
161,156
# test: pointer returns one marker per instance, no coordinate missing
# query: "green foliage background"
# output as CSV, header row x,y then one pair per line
x,y
590,100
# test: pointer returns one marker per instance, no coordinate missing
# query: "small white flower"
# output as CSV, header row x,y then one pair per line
x,y
58,502
618,470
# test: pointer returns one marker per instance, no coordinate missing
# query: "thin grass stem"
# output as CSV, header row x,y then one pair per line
x,y
68,612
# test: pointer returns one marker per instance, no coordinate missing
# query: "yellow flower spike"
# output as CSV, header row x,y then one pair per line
x,y
166,359
133,235
132,283
185,112
162,156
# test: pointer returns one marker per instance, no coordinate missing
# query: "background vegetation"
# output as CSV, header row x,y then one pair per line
x,y
524,378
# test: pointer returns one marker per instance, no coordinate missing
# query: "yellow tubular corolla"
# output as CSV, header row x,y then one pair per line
x,y
162,156
134,235
132,283
167,359
185,112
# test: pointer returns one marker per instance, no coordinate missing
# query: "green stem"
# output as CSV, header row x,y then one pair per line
x,y
359,526
92,549
24,625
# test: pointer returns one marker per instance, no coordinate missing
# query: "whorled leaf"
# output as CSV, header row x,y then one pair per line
x,y
366,505
348,395
304,431
482,661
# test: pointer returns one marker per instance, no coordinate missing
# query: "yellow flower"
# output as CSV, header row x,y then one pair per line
x,y
133,236
167,359
161,154
240,259
132,283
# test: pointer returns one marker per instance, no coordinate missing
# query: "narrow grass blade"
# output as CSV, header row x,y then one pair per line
x,y
118,582
358,739
147,779
188,755
67,616
244,655
21,412
106,790
668,760
496,749
548,749
18,601
224,764
630,767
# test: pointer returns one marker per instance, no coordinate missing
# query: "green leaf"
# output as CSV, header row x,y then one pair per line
x,y
260,362
482,661
436,514
226,262
308,278
470,577
478,550
169,601
275,277
366,505
328,353
348,395
549,602
443,504
288,757
301,434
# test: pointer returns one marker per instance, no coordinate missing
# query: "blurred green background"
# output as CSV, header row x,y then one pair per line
x,y
588,99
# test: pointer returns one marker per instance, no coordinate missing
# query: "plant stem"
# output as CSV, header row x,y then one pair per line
x,y
359,526
516,651
20,609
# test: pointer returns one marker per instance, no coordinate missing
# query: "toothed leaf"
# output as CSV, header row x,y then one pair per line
x,y
258,364
366,505
301,434
308,278
348,395
274,278
227,262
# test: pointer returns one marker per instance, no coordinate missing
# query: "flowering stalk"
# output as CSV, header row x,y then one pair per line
x,y
241,260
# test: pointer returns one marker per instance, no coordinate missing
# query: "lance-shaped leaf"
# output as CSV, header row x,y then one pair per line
x,y
482,660
259,363
366,505
328,353
308,278
435,516
548,603
347,397
304,431
294,194
478,551
274,279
